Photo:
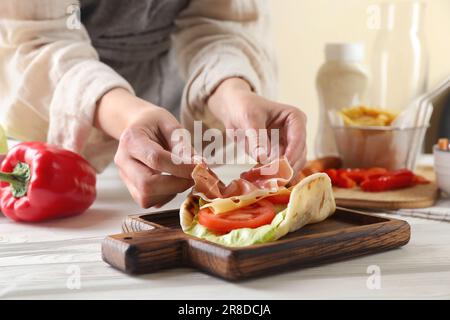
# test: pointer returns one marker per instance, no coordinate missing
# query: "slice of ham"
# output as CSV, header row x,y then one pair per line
x,y
271,176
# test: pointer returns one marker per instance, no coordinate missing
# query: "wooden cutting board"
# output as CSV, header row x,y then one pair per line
x,y
152,242
420,196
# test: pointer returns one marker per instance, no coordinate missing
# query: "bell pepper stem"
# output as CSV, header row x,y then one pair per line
x,y
18,179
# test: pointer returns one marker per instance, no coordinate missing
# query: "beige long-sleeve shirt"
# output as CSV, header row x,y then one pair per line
x,y
51,75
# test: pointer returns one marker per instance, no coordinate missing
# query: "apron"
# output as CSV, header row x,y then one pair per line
x,y
133,38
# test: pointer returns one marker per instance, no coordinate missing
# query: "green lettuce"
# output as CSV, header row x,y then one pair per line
x,y
239,237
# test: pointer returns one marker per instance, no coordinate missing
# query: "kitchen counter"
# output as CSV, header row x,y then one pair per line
x,y
62,260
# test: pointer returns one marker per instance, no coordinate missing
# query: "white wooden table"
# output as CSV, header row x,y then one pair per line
x,y
43,261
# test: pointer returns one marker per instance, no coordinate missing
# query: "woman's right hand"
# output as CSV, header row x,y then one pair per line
x,y
144,158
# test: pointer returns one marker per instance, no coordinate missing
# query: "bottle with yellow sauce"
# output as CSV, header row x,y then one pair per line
x,y
342,81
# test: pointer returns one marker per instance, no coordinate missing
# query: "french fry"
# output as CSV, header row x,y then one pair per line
x,y
367,116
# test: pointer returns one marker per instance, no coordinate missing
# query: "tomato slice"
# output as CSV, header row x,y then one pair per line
x,y
252,216
279,198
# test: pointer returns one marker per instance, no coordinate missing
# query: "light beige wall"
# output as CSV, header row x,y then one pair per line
x,y
302,27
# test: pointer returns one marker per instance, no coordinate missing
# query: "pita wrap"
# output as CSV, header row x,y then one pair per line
x,y
311,201
253,185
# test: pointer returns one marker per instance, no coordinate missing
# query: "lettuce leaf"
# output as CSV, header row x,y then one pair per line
x,y
239,237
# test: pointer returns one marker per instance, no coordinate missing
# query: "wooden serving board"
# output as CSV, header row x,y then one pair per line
x,y
420,196
152,242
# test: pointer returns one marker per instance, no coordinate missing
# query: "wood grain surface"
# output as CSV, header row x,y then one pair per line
x,y
163,245
38,261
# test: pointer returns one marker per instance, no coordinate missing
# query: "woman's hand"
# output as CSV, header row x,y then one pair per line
x,y
238,107
144,155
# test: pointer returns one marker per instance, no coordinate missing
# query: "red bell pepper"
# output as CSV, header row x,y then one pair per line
x,y
385,183
41,181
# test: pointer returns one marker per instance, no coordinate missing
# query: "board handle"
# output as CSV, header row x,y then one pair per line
x,y
146,251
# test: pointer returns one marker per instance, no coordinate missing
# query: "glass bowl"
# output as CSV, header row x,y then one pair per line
x,y
386,147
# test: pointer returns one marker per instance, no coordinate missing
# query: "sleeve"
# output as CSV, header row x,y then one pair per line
x,y
220,40
51,78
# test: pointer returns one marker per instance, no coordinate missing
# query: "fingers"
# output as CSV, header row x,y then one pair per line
x,y
164,201
139,198
277,148
152,172
296,139
297,178
148,187
153,155
257,141
298,165
291,122
149,182
179,141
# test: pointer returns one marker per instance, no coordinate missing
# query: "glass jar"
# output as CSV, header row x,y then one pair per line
x,y
399,65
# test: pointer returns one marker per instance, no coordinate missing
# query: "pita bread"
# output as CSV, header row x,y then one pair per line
x,y
311,201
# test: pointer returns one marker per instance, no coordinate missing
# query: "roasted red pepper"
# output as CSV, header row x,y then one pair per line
x,y
357,175
373,173
332,173
420,180
340,178
41,181
374,179
391,181
343,180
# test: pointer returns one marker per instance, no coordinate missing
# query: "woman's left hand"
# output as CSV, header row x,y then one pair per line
x,y
239,108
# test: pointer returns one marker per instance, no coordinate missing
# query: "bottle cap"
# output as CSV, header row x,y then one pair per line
x,y
344,51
